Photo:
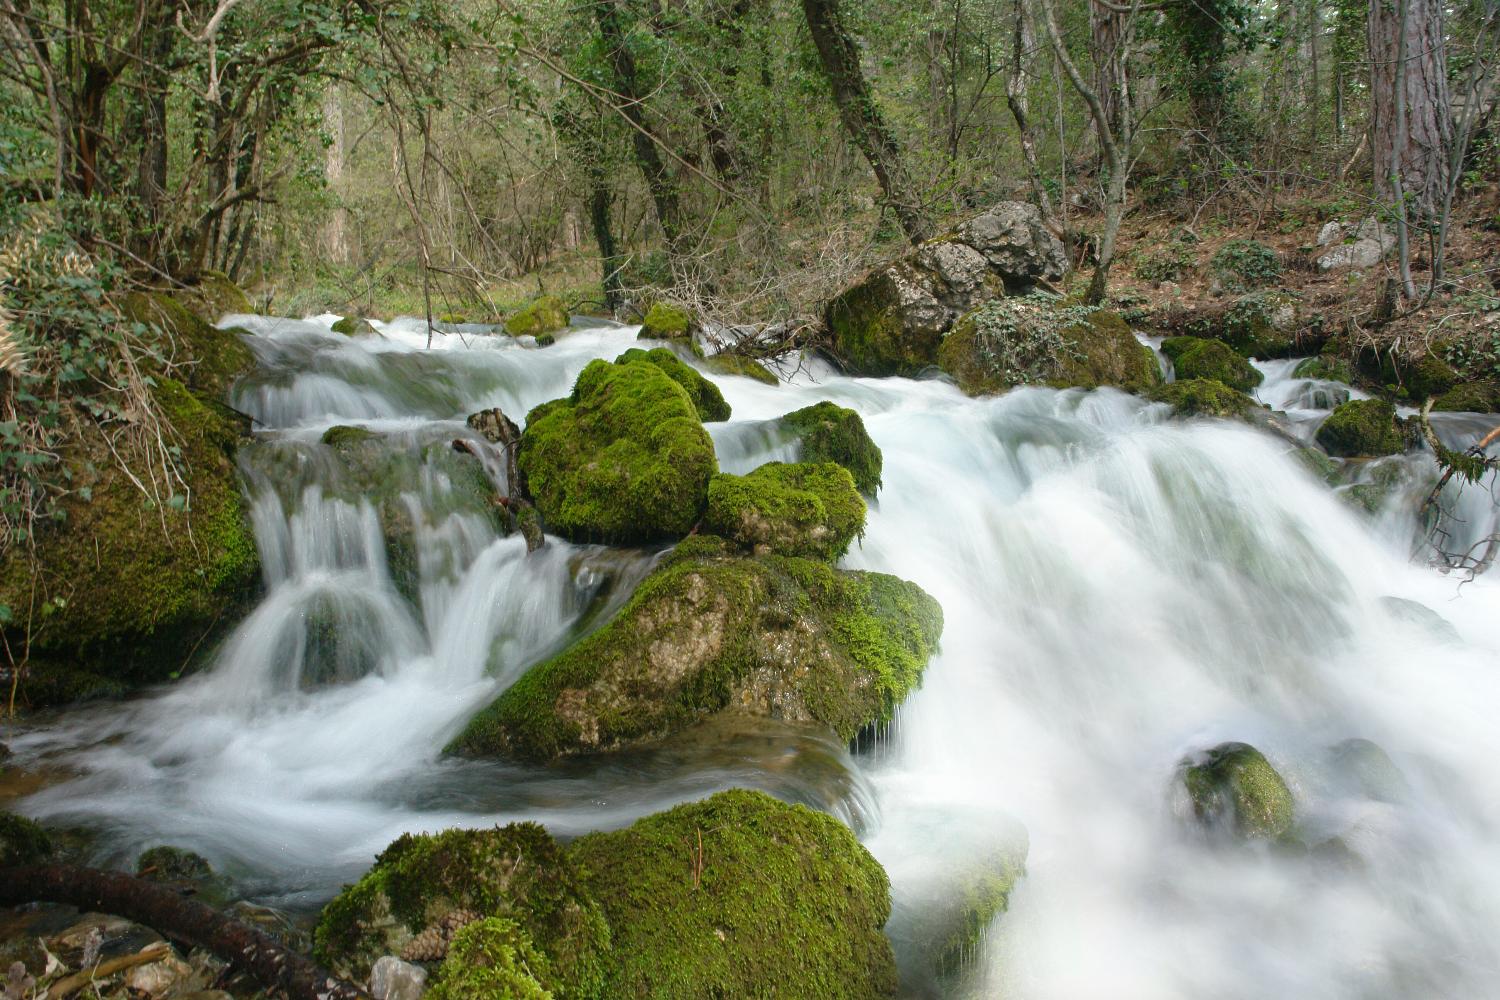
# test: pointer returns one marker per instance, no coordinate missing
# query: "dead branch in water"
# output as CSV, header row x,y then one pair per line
x,y
1469,465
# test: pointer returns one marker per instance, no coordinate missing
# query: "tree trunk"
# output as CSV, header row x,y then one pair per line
x,y
609,254
1016,98
851,93
1107,36
336,231
1411,127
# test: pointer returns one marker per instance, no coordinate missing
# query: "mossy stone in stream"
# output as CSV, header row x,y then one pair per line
x,y
1234,787
798,509
428,882
665,321
22,841
740,896
544,314
1470,397
351,326
1361,428
185,871
832,433
1197,358
492,959
706,397
1261,325
214,358
623,459
1202,397
343,435
734,364
1371,769
708,631
1333,369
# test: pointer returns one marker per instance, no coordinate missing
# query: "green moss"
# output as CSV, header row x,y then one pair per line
x,y
351,326
545,314
741,896
1361,427
492,959
212,359
343,435
1100,351
218,295
1319,464
453,319
517,872
22,841
1234,786
51,682
1330,369
1202,397
623,459
1197,358
785,637
798,509
868,336
172,864
1261,324
665,321
706,397
833,433
546,339
1470,397
734,364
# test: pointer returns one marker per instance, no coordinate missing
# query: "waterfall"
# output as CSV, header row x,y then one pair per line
x,y
1120,590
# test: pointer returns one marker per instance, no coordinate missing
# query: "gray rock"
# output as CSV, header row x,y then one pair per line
x,y
1373,240
1018,247
393,979
1331,232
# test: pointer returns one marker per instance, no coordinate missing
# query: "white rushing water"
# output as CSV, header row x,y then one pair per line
x,y
1119,590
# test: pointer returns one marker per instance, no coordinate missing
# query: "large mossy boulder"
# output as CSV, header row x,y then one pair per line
x,y
706,397
623,459
542,315
1262,324
828,432
665,321
1361,428
740,896
1233,787
708,631
423,888
494,959
211,359
1037,340
1203,397
796,509
216,296
893,320
1197,358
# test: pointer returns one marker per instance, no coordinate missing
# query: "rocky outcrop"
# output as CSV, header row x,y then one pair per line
x,y
710,631
1354,247
893,320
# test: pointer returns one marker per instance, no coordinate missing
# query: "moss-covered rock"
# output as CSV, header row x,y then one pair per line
x,y
218,296
665,321
344,435
1331,369
185,871
1203,397
740,896
871,333
623,459
492,959
211,359
798,509
1361,428
1420,615
544,314
1197,358
734,364
427,883
706,397
832,433
1233,787
1262,324
352,326
783,637
1370,769
1470,397
22,841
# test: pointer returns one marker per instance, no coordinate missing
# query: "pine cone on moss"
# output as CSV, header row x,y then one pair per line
x,y
431,945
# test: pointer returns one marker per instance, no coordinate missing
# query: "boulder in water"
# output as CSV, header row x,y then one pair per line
x,y
709,631
1471,397
892,321
1328,368
1370,769
799,509
1196,358
1363,428
1203,397
544,314
623,459
1262,324
665,321
832,433
352,326
706,397
735,364
1234,787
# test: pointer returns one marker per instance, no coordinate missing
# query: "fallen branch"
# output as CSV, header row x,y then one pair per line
x,y
1471,465
69,985
243,947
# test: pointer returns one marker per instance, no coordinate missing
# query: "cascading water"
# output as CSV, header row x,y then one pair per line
x,y
1119,590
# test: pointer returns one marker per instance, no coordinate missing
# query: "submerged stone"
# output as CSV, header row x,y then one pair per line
x,y
798,509
544,314
1197,358
832,433
623,459
783,637
1203,397
1371,769
706,397
1234,787
1423,617
1363,428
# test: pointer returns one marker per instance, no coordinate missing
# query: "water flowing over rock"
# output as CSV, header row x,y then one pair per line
x,y
893,320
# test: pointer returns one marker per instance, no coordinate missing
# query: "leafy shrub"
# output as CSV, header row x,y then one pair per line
x,y
1244,265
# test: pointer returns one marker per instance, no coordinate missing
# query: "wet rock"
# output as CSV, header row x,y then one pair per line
x,y
544,314
271,922
1325,368
832,433
1470,397
1195,358
798,509
1423,617
1233,787
623,459
665,321
22,841
1262,324
184,871
1371,769
393,979
344,435
708,631
352,326
893,320
706,397
734,364
1361,428
1202,397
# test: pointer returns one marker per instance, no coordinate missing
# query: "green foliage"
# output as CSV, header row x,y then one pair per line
x,y
741,896
492,959
1195,358
1171,262
706,397
833,433
623,459
1245,265
1361,428
799,509
1233,786
1019,340
22,841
